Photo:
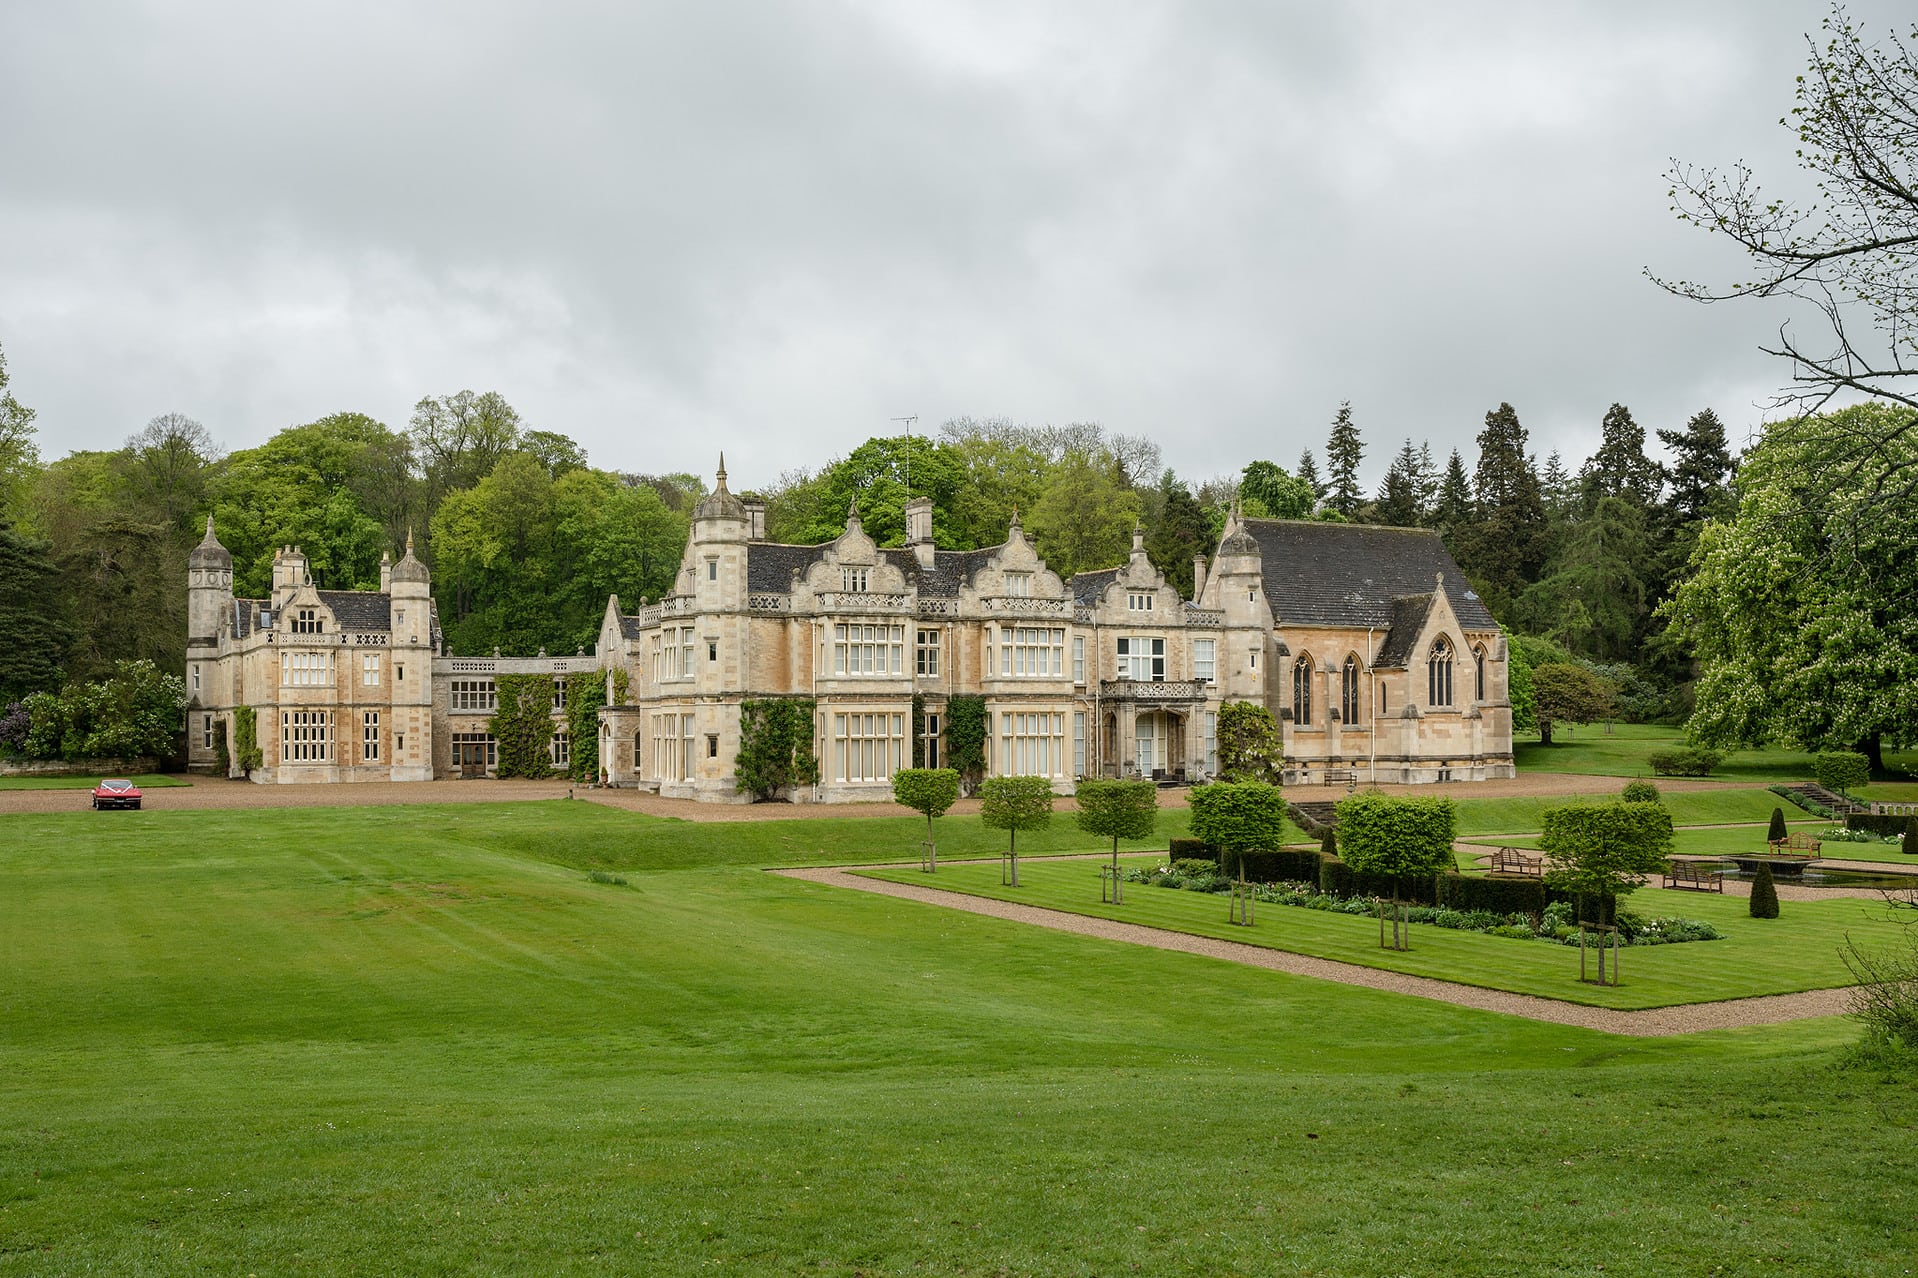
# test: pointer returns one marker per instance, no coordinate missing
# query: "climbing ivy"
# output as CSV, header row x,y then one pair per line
x,y
585,696
523,725
775,746
966,728
918,731
246,739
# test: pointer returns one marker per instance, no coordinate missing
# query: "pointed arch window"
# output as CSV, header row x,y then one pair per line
x,y
1438,673
1302,690
1478,672
1349,690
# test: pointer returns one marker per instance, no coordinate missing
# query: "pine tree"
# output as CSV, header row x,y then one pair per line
x,y
1343,452
1503,550
1309,472
1701,465
1556,486
1764,902
1398,503
1428,477
1453,509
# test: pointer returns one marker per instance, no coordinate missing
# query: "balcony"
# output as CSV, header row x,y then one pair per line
x,y
1165,691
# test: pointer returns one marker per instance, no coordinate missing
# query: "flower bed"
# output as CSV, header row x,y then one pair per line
x,y
1555,925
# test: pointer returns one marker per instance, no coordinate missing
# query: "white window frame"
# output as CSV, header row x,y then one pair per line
x,y
1142,665
1019,585
925,657
867,745
1032,652
1031,743
862,650
1205,660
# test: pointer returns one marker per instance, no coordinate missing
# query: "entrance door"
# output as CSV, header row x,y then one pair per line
x,y
1147,733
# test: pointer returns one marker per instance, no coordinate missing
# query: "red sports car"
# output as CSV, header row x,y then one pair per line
x,y
116,792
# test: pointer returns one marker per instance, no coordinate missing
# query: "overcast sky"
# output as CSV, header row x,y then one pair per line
x,y
668,229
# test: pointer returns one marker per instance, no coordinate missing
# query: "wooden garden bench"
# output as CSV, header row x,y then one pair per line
x,y
1339,776
1513,861
1694,876
1796,845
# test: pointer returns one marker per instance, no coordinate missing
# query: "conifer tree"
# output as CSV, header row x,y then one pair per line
x,y
1620,468
1453,509
1343,452
1503,550
1398,503
1309,472
1701,465
1428,482
1556,487
1764,898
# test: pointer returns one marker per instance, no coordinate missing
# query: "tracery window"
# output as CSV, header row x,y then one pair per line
x,y
1478,666
1438,673
1302,690
1349,690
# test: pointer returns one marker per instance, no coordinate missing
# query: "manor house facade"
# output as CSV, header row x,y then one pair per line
x,y
1367,643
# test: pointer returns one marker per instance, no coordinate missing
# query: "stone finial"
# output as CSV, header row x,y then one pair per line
x,y
720,476
1138,536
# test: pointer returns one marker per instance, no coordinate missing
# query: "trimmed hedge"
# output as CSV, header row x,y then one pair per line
x,y
1499,895
1684,763
1339,879
1876,822
1192,850
1278,865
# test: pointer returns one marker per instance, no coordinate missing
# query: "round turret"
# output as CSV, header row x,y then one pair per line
x,y
210,554
720,504
409,569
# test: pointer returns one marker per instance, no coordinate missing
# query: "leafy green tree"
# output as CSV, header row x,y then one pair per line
x,y
167,467
1799,605
135,712
1268,492
19,459
35,636
1563,691
458,439
1237,817
1505,546
1840,770
1518,682
1605,850
1084,520
123,581
1405,840
557,452
1250,747
930,791
882,475
1343,452
1013,804
1118,810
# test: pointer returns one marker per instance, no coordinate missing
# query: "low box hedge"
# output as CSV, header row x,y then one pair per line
x,y
1516,895
1877,823
1279,865
1339,879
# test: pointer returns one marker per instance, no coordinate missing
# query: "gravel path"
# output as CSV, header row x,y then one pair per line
x,y
1689,1019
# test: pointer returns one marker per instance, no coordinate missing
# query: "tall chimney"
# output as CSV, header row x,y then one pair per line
x,y
755,519
1198,577
919,529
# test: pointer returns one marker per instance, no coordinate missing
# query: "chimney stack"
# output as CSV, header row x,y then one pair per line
x,y
919,529
1198,577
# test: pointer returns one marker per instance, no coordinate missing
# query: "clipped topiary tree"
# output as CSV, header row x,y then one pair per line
x,y
1403,839
1329,841
1250,748
1238,817
1764,903
1840,770
1118,810
1013,804
931,791
1604,851
1640,791
1777,830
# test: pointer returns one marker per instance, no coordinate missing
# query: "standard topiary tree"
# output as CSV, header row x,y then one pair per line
x,y
931,791
1238,817
1640,791
1013,804
1118,810
1840,770
1401,839
1777,832
1604,851
1764,903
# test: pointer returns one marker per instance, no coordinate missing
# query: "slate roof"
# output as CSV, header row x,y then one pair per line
x,y
1089,587
770,566
359,609
245,612
1408,619
1325,574
630,626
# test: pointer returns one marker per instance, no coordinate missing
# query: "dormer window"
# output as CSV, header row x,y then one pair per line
x,y
1019,584
306,621
853,580
1138,603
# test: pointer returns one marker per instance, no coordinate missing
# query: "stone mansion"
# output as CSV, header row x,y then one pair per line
x,y
1367,643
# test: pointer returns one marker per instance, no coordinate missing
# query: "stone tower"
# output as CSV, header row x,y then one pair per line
x,y
209,590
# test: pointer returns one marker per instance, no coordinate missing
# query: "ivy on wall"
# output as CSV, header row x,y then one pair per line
x,y
966,727
246,739
585,696
523,725
918,731
775,746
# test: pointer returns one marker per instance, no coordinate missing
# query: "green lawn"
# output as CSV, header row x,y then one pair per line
x,y
1688,807
1623,751
1798,951
145,782
421,1041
